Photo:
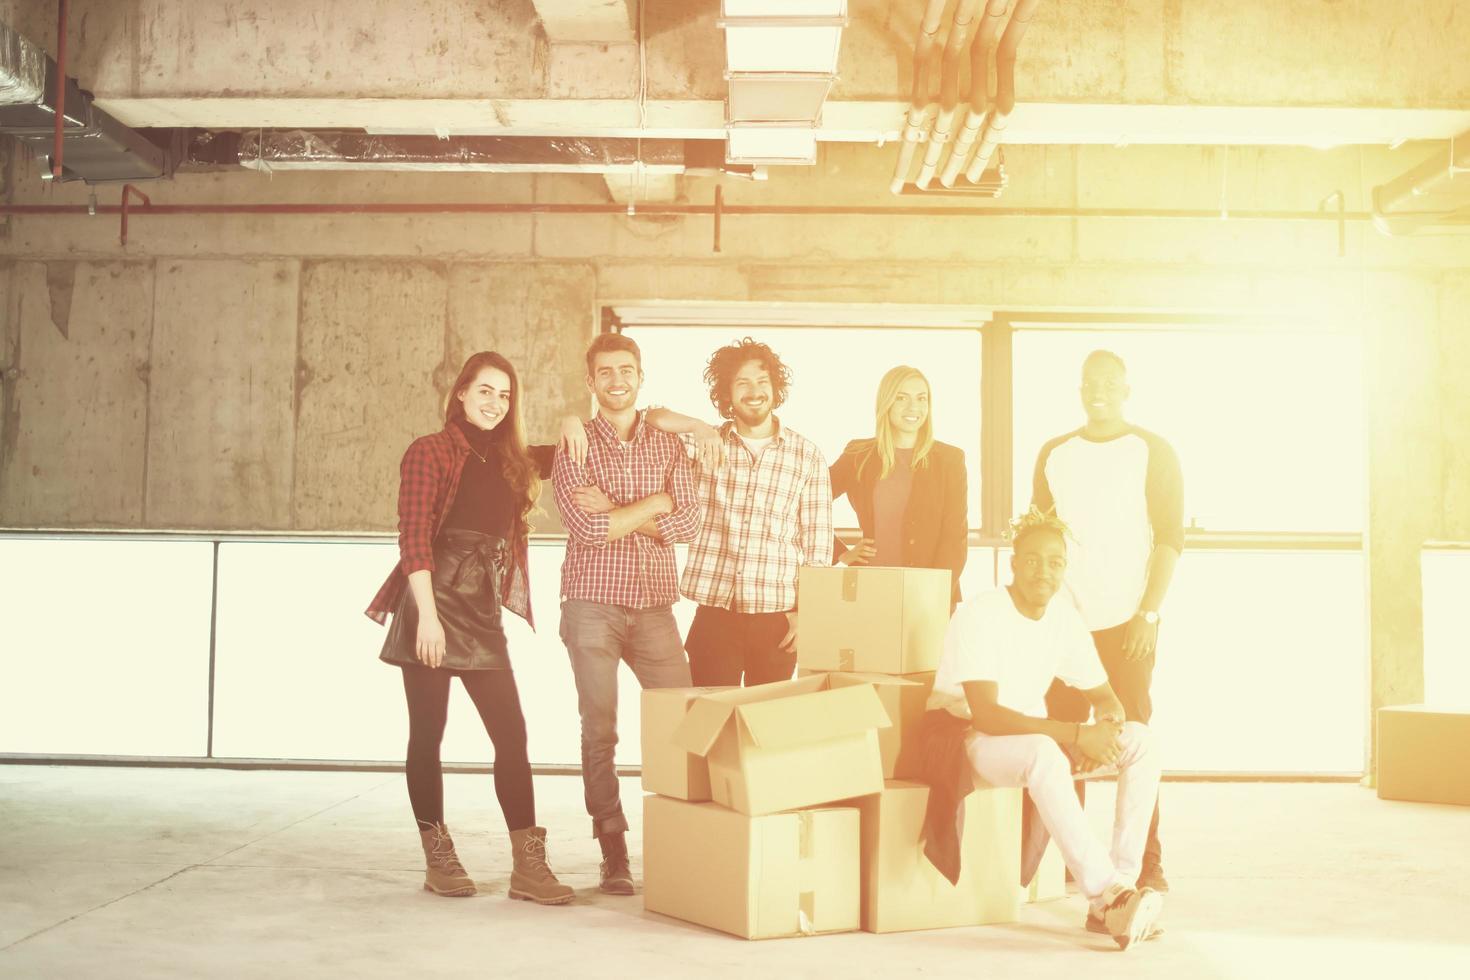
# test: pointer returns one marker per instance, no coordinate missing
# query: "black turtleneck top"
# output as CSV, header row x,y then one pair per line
x,y
485,501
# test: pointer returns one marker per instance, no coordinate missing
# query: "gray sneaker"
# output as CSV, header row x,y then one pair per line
x,y
1131,916
1095,924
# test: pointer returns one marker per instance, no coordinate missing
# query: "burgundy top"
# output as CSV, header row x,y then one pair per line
x,y
890,502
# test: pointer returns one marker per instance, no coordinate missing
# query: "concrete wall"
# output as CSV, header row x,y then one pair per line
x,y
265,372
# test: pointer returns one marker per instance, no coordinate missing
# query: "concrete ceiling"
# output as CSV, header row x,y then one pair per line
x,y
1297,72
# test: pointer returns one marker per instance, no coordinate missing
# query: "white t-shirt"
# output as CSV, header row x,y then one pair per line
x,y
755,445
989,640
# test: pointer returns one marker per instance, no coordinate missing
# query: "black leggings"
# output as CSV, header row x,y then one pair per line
x,y
495,697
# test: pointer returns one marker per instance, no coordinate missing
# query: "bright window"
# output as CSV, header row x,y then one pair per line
x,y
1268,425
834,378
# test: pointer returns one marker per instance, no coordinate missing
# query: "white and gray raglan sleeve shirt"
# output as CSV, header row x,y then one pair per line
x,y
1120,497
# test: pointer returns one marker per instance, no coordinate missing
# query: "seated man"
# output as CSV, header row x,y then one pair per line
x,y
1001,652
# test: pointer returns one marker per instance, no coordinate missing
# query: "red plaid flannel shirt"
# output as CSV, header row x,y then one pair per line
x,y
634,571
428,480
764,517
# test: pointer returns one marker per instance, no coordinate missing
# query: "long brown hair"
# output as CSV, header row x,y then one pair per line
x,y
510,436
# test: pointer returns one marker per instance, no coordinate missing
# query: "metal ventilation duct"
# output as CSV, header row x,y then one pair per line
x,y
297,149
96,147
780,63
1437,192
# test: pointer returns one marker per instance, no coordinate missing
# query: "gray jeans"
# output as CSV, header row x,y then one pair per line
x,y
598,637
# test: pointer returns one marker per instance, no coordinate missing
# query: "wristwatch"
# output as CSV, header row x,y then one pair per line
x,y
1149,616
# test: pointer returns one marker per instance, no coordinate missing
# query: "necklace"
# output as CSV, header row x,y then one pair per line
x,y
483,459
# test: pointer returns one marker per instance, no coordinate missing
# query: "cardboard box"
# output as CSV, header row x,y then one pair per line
x,y
1050,881
783,874
1424,754
904,698
903,891
872,620
787,745
668,769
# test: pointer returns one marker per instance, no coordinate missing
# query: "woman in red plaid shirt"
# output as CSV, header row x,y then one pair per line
x,y
463,498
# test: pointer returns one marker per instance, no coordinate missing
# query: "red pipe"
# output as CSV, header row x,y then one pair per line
x,y
719,212
130,189
60,87
937,211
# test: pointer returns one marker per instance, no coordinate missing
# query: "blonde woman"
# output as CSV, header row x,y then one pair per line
x,y
908,490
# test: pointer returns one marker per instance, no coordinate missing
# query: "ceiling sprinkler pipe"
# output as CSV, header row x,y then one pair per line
x,y
949,91
58,139
982,58
916,126
914,130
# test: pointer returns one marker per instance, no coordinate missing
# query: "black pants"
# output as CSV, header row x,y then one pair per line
x,y
499,704
1130,681
724,646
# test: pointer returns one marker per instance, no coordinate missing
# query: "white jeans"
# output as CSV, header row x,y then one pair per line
x,y
1038,764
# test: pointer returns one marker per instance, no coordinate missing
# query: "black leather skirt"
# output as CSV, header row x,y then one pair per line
x,y
467,566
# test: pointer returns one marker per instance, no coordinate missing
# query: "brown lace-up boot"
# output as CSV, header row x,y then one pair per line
x,y
531,879
444,875
617,879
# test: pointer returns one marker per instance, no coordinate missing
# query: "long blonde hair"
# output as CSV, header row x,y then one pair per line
x,y
883,445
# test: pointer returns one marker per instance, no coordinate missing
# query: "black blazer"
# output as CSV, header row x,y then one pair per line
x,y
935,524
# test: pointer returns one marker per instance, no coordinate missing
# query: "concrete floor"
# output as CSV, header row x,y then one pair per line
x,y
155,872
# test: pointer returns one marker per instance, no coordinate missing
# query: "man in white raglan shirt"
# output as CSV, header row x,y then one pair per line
x,y
1119,488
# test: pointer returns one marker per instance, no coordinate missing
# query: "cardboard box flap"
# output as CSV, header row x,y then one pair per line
x,y
814,718
702,724
847,679
768,692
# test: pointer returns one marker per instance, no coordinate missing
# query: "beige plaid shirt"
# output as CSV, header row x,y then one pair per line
x,y
764,517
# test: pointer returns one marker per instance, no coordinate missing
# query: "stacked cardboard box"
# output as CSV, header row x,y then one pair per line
x,y
742,835
884,628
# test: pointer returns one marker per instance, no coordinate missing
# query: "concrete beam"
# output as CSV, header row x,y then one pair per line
x,y
1197,71
842,122
576,21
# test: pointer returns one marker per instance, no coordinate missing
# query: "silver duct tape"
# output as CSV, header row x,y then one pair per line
x,y
22,69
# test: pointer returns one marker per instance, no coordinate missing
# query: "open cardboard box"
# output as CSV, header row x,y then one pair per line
x,y
668,769
905,697
787,745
